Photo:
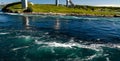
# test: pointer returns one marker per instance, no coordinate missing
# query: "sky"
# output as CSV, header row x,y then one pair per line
x,y
79,2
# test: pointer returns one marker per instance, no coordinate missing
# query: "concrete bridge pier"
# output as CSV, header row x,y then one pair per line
x,y
24,4
57,2
69,2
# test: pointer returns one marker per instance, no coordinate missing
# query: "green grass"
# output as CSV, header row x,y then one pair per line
x,y
16,8
85,10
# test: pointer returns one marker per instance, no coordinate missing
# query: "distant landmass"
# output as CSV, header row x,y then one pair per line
x,y
72,10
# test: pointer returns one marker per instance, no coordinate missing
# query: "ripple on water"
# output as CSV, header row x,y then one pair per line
x,y
73,41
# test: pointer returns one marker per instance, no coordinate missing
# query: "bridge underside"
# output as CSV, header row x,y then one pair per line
x,y
25,3
68,2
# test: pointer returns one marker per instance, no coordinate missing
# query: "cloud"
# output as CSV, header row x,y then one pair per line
x,y
113,5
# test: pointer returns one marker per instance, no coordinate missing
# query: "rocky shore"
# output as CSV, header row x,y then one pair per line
x,y
70,14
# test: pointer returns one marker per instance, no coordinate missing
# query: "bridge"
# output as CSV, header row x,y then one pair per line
x,y
68,2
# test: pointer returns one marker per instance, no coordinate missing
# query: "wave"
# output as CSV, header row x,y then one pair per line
x,y
73,48
95,47
99,48
64,16
14,13
18,48
4,33
9,13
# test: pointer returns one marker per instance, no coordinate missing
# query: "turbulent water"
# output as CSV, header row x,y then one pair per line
x,y
59,38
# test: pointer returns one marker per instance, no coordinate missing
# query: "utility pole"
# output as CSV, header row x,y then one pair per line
x,y
24,4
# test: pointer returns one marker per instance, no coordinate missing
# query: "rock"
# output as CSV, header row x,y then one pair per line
x,y
7,10
17,12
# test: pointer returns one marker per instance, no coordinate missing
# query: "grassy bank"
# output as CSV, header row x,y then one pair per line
x,y
78,9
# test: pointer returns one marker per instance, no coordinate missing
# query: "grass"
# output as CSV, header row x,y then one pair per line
x,y
84,10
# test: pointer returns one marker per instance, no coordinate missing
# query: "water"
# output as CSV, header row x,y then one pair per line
x,y
59,38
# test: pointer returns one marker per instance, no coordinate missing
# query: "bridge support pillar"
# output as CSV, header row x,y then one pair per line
x,y
57,2
69,2
24,4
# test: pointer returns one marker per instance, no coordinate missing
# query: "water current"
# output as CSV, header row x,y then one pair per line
x,y
59,38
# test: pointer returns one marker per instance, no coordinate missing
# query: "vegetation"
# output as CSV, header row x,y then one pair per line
x,y
78,9
6,8
29,9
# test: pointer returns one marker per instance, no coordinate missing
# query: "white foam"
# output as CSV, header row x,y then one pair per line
x,y
90,57
70,45
91,18
18,48
96,47
118,46
107,59
54,44
4,33
46,33
13,13
70,17
23,36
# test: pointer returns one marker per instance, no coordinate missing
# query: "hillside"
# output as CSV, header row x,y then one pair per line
x,y
78,9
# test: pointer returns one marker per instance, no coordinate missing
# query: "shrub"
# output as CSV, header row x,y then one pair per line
x,y
29,9
7,10
17,12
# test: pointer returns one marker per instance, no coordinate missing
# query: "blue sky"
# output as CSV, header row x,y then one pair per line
x,y
80,2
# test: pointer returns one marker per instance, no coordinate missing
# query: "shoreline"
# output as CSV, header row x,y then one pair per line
x,y
51,9
69,14
64,14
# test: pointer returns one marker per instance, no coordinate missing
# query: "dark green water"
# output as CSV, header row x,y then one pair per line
x,y
59,38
